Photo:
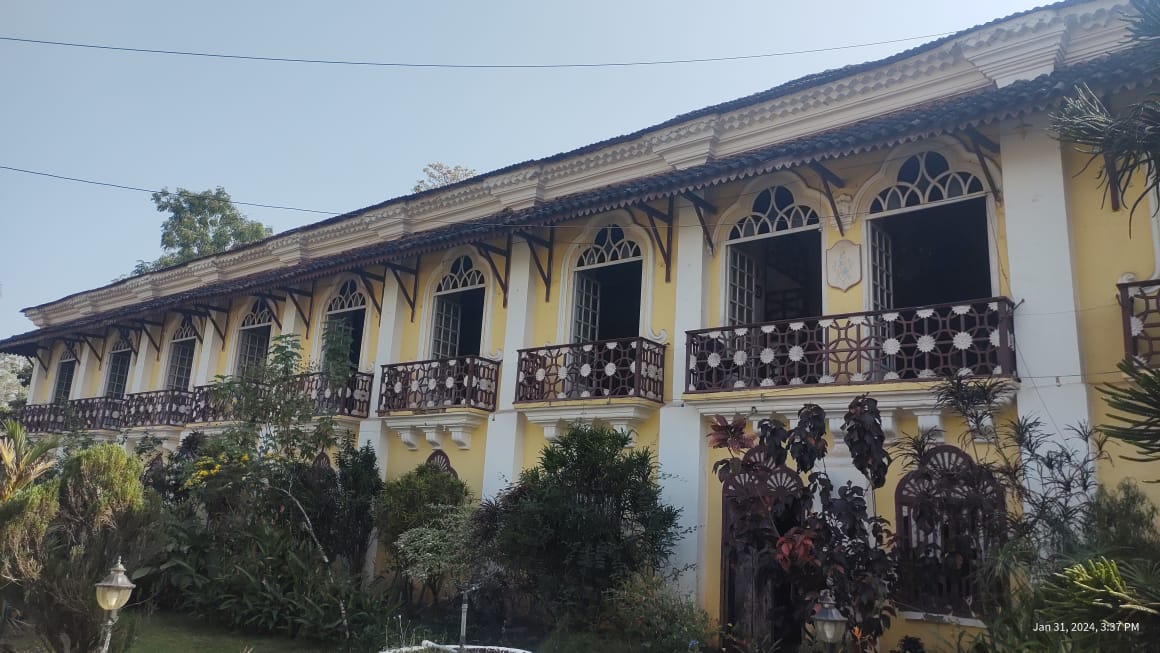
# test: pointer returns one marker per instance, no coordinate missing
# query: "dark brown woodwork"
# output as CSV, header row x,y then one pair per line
x,y
627,367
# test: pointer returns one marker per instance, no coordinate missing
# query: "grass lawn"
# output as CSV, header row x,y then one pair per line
x,y
169,633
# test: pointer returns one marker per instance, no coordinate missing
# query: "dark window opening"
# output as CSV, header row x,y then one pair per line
x,y
252,348
777,278
939,255
180,365
352,322
64,380
118,378
458,328
608,302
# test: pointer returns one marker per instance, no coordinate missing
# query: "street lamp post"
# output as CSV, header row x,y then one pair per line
x,y
829,624
112,595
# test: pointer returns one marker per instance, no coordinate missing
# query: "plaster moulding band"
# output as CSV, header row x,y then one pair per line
x,y
626,416
436,428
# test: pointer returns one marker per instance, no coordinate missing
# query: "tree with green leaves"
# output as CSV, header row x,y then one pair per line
x,y
15,376
439,174
1126,139
22,460
199,224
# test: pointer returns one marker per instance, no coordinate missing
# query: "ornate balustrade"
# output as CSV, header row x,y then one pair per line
x,y
158,408
44,418
1140,309
209,406
628,367
352,399
91,414
467,381
974,337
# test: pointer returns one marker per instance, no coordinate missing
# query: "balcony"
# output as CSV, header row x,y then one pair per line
x,y
352,399
157,408
466,381
627,367
975,337
1140,309
92,414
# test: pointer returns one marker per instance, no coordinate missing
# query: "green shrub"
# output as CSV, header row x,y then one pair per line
x,y
568,641
575,526
647,612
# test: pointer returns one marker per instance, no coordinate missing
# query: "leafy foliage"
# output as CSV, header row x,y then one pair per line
x,y
419,498
22,460
647,613
199,224
438,174
588,516
58,538
1128,140
1138,424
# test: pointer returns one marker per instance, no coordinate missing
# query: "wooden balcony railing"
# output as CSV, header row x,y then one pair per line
x,y
158,408
44,418
352,399
974,337
466,381
208,406
1140,309
628,367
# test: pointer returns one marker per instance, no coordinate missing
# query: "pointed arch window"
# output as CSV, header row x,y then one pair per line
x,y
346,313
65,371
775,279
254,339
181,350
923,179
119,361
950,513
457,322
608,281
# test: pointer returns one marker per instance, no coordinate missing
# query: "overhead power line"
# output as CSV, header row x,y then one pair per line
x,y
485,66
146,190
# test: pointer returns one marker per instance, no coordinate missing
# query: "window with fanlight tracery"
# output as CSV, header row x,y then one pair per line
x,y
457,320
346,318
254,338
181,350
119,360
925,178
607,283
774,261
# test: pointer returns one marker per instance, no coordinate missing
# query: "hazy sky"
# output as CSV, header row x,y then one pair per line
x,y
337,138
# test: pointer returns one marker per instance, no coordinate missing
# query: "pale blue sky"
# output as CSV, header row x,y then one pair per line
x,y
340,138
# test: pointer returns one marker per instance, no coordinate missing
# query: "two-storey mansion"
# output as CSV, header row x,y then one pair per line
x,y
867,229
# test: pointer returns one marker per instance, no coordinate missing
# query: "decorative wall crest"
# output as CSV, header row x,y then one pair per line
x,y
844,265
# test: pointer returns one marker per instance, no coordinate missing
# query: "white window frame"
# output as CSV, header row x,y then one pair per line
x,y
120,345
326,311
428,309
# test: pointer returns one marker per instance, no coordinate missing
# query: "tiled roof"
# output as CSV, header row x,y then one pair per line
x,y
1109,73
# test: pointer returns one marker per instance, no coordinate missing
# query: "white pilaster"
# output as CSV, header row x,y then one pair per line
x,y
86,361
208,349
142,364
682,451
1040,254
372,431
503,452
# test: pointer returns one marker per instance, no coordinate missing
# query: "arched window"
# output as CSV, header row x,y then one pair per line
x,y
931,244
65,370
950,514
608,280
457,322
181,349
119,360
775,279
254,338
346,318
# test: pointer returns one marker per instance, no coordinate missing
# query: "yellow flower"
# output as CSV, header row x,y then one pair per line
x,y
245,457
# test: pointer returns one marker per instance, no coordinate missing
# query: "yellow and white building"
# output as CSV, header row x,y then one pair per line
x,y
866,229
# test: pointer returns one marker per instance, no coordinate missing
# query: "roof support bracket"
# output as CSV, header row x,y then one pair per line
x,y
276,310
543,264
488,252
143,326
830,179
977,142
42,361
304,315
88,340
409,296
366,278
208,315
126,334
666,247
702,206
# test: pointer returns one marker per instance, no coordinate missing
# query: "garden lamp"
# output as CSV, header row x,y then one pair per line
x,y
829,624
112,595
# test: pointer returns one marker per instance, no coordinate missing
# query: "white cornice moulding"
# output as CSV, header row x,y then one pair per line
x,y
624,416
519,190
688,145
